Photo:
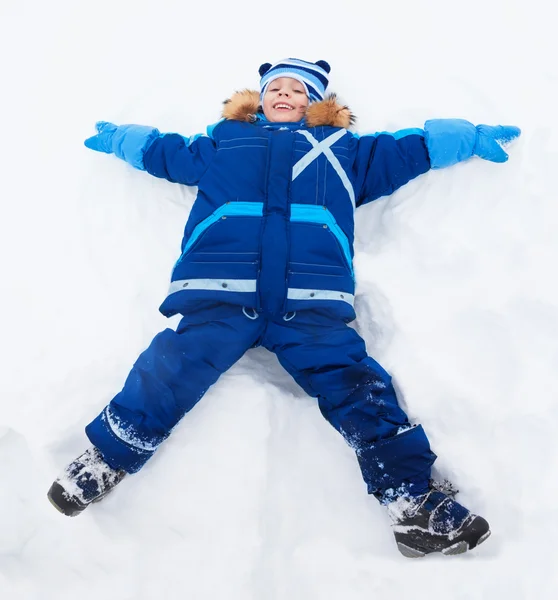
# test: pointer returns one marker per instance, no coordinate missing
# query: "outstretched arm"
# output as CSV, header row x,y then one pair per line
x,y
386,161
170,156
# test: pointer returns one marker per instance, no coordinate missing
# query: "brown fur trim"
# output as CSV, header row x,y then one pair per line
x,y
244,105
328,112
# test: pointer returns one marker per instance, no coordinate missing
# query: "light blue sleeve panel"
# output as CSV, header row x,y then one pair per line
x,y
449,141
131,142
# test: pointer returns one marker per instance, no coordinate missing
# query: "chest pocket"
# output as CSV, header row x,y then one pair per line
x,y
229,236
318,241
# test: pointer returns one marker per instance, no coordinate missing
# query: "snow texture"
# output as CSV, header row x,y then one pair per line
x,y
255,496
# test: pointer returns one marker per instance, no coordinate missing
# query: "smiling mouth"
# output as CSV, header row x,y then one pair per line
x,y
283,106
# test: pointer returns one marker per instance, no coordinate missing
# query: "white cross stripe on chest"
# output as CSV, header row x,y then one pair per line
x,y
323,147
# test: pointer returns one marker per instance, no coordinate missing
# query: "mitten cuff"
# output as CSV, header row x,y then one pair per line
x,y
449,141
131,142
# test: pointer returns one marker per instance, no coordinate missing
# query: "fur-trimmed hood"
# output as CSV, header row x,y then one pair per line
x,y
245,105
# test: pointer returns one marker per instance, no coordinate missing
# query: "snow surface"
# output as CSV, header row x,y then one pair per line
x,y
255,496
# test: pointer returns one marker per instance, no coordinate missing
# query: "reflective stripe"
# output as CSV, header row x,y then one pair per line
x,y
231,209
323,147
318,148
215,285
309,213
302,294
126,433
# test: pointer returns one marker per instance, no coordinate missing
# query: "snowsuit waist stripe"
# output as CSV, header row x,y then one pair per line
x,y
216,285
302,294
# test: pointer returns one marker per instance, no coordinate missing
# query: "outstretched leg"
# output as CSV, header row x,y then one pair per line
x,y
166,381
329,361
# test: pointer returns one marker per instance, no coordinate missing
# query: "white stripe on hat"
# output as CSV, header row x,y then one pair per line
x,y
301,63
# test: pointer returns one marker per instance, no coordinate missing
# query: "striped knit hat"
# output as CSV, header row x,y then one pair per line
x,y
313,76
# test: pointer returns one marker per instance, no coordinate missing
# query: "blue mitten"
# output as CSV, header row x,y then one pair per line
x,y
102,142
128,142
489,141
450,141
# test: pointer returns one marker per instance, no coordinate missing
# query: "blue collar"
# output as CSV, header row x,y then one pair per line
x,y
262,120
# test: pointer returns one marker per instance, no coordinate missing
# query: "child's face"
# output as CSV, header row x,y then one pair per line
x,y
285,101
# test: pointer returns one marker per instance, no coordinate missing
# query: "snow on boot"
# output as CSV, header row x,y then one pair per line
x,y
85,480
434,522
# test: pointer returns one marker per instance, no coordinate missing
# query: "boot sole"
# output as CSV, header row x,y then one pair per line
x,y
457,548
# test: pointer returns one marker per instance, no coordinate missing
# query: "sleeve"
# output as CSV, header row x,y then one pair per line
x,y
387,161
179,159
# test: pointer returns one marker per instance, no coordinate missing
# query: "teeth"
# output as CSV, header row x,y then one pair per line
x,y
283,106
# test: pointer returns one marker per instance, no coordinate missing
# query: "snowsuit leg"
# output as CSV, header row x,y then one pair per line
x,y
328,360
167,380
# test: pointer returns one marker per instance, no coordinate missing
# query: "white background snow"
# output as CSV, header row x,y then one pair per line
x,y
255,496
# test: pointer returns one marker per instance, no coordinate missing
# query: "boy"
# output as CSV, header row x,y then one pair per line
x,y
267,260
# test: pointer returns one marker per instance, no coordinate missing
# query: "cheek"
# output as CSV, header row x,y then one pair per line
x,y
266,106
268,100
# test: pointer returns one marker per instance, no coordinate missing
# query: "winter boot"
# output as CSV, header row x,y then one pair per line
x,y
85,480
435,522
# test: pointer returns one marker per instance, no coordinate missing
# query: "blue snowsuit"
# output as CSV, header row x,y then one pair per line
x,y
267,261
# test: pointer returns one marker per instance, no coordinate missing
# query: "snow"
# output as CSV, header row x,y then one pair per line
x,y
255,496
